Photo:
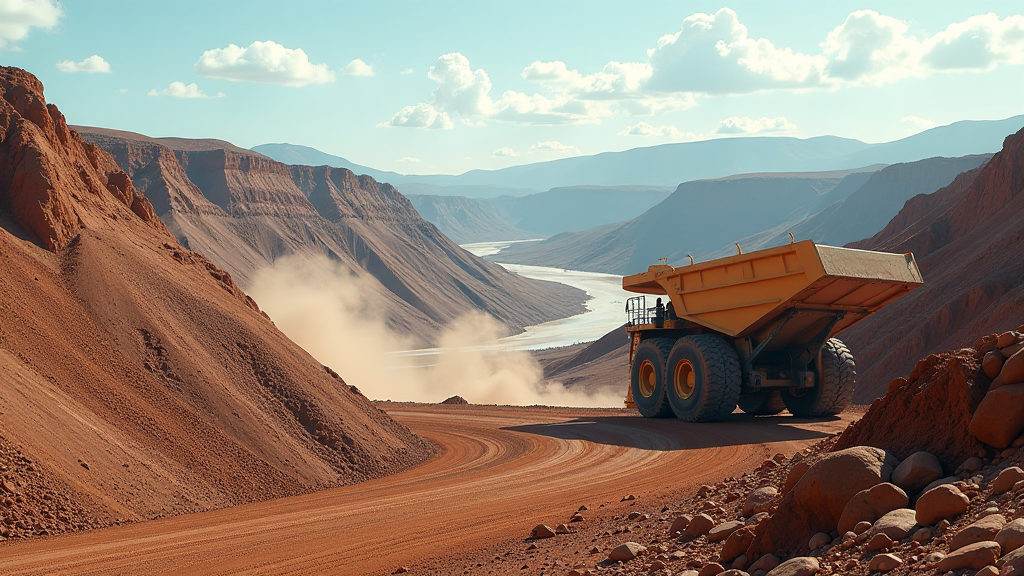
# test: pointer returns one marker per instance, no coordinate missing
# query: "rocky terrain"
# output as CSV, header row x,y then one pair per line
x,y
245,211
968,239
137,380
928,481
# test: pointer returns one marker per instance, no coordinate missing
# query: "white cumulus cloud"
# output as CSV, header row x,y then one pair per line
x,y
645,129
357,68
419,116
744,125
505,152
978,43
92,65
553,146
181,90
17,17
264,62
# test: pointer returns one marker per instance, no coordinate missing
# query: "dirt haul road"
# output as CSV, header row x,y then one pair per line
x,y
499,471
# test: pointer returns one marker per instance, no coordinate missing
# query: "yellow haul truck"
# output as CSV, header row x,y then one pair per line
x,y
755,329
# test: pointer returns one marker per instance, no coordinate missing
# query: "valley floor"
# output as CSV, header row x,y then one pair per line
x,y
499,471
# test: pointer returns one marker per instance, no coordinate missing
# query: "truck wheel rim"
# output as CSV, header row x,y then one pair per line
x,y
648,379
685,380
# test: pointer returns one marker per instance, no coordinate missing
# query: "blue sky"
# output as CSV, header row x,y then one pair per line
x,y
427,87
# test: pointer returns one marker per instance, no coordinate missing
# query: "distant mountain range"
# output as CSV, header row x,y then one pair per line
x,y
671,164
705,218
535,216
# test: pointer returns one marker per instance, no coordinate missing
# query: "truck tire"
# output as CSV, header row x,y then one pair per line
x,y
647,378
837,376
704,378
763,403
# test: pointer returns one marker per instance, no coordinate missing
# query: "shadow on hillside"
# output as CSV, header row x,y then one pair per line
x,y
671,434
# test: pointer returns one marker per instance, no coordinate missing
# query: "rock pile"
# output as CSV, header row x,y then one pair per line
x,y
930,481
455,400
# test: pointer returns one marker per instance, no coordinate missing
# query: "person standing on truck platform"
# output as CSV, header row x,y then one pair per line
x,y
659,314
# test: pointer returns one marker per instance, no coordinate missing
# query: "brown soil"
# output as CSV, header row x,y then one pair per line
x,y
136,379
499,471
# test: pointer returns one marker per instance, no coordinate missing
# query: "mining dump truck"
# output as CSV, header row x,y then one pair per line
x,y
755,329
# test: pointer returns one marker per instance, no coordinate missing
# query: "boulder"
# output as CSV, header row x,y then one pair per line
x,y
940,482
1007,339
679,524
862,527
922,535
795,474
722,531
983,530
562,529
880,541
819,540
801,566
758,500
1007,352
976,556
1011,536
734,572
999,418
917,471
736,544
1012,564
766,563
1007,478
711,569
542,531
871,504
972,464
1012,371
897,524
699,526
817,501
884,563
987,571
940,503
626,552
992,363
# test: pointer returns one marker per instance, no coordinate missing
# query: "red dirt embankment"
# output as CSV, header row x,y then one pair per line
x,y
136,379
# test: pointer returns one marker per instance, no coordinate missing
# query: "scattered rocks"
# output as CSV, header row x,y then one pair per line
x,y
884,563
758,500
871,504
801,566
940,503
983,530
976,556
626,552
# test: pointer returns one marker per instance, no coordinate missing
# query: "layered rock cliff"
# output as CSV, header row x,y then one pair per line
x,y
245,211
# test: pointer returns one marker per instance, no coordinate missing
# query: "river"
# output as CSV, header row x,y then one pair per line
x,y
604,309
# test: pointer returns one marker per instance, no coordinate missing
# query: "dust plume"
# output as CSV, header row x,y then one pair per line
x,y
337,317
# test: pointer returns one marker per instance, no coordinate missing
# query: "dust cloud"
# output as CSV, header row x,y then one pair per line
x,y
338,317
